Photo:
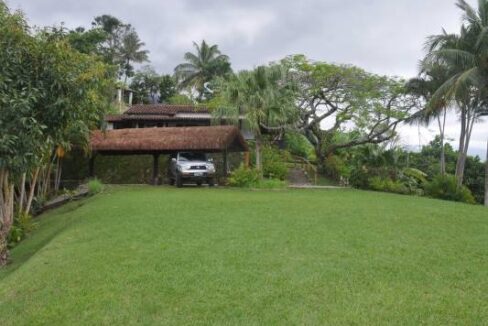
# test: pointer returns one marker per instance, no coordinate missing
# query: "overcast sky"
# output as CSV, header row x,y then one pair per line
x,y
381,36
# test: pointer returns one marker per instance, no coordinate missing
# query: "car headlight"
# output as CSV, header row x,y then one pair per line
x,y
211,167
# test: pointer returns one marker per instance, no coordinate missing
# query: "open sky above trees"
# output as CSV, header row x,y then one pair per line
x,y
381,36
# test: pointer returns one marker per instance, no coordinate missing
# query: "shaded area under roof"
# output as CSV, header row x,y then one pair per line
x,y
210,139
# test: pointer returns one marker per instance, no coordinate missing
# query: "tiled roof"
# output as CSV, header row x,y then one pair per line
x,y
113,117
164,109
155,117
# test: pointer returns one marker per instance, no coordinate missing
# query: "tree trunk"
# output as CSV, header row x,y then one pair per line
x,y
31,191
57,178
22,193
259,165
486,177
442,128
6,213
467,123
462,137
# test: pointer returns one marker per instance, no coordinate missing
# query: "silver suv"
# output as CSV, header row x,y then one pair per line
x,y
191,167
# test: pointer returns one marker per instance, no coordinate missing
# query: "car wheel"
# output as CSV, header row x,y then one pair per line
x,y
211,182
199,183
172,182
179,182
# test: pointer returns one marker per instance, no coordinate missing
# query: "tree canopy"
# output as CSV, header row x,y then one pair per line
x,y
201,68
50,94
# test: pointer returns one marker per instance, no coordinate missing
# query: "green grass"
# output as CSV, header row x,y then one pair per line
x,y
144,255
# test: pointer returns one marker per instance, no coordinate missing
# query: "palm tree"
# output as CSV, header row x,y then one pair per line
x,y
425,86
201,67
465,56
130,51
264,96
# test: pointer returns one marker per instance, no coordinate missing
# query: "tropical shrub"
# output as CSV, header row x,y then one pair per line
x,y
23,225
95,186
445,187
251,178
274,163
388,185
298,144
244,177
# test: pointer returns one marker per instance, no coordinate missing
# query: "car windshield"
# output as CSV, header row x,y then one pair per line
x,y
192,157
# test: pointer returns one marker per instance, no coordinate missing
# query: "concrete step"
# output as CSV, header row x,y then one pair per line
x,y
297,176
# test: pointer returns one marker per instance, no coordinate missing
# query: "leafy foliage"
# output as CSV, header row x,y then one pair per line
x,y
445,187
201,68
95,186
274,166
243,177
388,185
50,96
298,144
360,107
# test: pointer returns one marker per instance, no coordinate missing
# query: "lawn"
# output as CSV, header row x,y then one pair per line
x,y
147,255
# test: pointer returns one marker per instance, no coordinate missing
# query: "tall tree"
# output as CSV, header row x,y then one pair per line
x,y
465,56
167,88
87,41
48,93
131,52
201,68
264,96
343,106
114,29
146,85
425,86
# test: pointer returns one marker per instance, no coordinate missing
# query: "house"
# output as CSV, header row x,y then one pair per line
x,y
168,115
164,129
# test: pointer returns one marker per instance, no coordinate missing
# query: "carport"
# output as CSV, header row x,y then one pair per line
x,y
168,140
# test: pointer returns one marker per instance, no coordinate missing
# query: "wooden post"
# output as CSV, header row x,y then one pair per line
x,y
91,165
246,159
155,169
224,163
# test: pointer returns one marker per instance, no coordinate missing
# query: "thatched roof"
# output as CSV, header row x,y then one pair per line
x,y
168,140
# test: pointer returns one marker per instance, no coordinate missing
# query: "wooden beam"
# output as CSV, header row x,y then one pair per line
x,y
155,169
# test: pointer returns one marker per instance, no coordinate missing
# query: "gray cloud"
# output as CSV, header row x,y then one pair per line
x,y
382,36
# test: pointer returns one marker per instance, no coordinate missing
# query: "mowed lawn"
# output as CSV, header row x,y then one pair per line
x,y
148,255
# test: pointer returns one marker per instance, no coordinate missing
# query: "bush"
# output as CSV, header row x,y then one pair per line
x,y
244,177
388,185
445,187
23,225
274,163
359,177
95,186
251,178
299,145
